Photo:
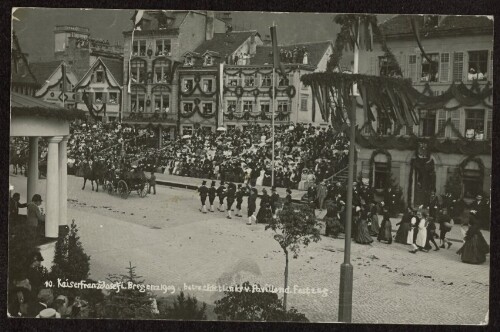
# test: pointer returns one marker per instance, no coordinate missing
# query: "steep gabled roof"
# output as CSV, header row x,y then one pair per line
x,y
225,43
400,25
43,70
315,50
115,66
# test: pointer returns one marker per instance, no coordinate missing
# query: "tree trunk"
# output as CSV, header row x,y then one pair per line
x,y
286,279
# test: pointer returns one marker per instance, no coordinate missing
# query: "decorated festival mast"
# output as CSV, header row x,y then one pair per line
x,y
336,94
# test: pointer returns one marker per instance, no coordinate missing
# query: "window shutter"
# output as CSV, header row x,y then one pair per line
x,y
441,120
455,120
489,124
402,64
412,67
458,66
465,65
418,65
105,97
444,69
78,97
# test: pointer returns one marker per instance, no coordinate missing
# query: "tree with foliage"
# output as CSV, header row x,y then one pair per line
x,y
70,260
184,309
249,305
294,226
132,301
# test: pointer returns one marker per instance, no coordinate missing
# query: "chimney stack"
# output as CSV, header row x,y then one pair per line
x,y
267,40
209,25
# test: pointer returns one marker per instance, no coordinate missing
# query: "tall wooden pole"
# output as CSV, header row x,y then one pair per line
x,y
272,127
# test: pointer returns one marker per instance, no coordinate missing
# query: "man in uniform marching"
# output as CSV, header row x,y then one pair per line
x,y
239,200
203,190
212,192
221,193
231,192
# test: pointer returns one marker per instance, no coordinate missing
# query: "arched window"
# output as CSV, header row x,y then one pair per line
x,y
138,71
472,179
381,171
161,71
161,99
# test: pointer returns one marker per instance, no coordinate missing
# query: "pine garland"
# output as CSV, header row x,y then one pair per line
x,y
66,114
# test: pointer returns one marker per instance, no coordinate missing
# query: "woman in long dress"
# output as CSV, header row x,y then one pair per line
x,y
362,235
385,232
260,179
422,234
475,247
404,227
265,208
374,225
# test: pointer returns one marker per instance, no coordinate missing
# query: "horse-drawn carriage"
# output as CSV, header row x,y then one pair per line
x,y
123,183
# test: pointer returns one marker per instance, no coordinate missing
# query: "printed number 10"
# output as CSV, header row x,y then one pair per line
x,y
48,283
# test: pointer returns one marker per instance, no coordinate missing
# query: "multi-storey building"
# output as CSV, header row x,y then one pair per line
x,y
199,78
247,86
453,84
151,59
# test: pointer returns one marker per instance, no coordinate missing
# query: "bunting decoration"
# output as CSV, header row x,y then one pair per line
x,y
93,111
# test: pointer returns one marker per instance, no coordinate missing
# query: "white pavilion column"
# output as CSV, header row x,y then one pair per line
x,y
32,168
52,200
63,181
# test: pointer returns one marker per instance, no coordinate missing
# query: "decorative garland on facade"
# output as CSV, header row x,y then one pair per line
x,y
246,71
200,90
246,115
196,109
67,114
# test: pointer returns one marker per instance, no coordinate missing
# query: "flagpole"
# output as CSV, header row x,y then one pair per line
x,y
272,127
63,72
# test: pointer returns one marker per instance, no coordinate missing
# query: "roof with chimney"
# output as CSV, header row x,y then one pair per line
x,y
224,44
43,70
315,50
399,25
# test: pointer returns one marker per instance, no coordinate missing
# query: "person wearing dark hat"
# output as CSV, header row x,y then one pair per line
x,y
288,198
203,190
239,200
152,183
33,272
212,192
252,206
14,207
275,200
35,218
475,247
221,193
231,192
45,299
482,211
264,207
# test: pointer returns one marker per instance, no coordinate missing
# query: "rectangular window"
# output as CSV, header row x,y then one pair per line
x,y
163,47
189,61
388,68
430,69
187,107
412,67
187,84
248,106
265,106
138,72
113,98
99,97
441,123
138,102
266,80
187,130
207,85
208,61
283,106
139,48
162,71
285,81
303,102
478,65
249,80
231,106
161,102
233,80
427,122
99,77
455,121
474,124
458,66
444,69
207,108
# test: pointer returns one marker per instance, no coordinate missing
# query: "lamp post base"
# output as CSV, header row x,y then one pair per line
x,y
345,293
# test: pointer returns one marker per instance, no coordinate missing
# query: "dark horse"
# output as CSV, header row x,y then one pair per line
x,y
19,159
96,173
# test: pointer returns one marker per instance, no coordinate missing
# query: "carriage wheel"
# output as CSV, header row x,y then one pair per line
x,y
123,189
144,190
110,187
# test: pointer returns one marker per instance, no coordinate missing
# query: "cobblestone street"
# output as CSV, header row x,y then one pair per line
x,y
172,243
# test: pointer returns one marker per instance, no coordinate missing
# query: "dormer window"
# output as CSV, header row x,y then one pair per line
x,y
188,61
99,76
208,60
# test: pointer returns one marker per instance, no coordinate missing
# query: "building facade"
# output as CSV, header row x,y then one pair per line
x,y
151,60
52,74
453,89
